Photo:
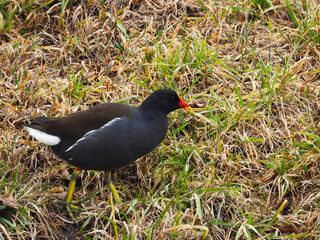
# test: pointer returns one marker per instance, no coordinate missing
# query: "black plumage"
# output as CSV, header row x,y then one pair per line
x,y
107,136
111,135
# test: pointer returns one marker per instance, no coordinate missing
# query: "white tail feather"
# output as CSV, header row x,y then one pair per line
x,y
43,137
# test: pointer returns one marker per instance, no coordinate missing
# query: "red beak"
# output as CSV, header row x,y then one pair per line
x,y
183,104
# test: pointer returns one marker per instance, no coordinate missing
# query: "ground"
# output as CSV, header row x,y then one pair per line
x,y
244,165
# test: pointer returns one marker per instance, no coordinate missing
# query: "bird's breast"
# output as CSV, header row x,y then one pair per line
x,y
147,135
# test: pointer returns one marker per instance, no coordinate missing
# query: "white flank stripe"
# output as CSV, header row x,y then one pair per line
x,y
43,137
92,131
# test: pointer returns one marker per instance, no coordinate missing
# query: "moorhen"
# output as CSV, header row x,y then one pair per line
x,y
107,136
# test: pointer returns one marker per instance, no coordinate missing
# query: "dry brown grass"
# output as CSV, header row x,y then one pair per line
x,y
246,167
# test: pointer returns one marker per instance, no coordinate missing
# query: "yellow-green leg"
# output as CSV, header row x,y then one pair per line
x,y
111,187
71,187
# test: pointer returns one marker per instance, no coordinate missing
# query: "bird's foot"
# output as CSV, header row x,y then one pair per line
x,y
69,210
80,201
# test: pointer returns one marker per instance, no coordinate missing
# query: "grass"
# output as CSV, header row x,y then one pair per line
x,y
244,166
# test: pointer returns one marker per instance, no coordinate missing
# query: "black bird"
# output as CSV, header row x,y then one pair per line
x,y
107,136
